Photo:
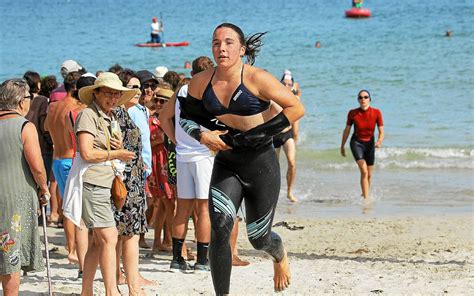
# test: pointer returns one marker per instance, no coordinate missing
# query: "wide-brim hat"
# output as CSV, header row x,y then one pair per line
x,y
164,93
110,80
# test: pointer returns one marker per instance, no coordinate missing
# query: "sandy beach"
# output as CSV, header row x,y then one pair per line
x,y
429,255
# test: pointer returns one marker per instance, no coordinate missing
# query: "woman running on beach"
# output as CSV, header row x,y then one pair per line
x,y
362,143
232,101
288,138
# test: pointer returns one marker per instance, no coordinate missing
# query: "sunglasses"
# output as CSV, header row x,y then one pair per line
x,y
153,86
133,86
28,97
161,101
363,97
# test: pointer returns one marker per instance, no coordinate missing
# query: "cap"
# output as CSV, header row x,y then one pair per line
x,y
69,66
88,74
145,75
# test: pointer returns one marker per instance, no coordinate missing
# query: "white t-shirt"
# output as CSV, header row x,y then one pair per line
x,y
187,148
155,28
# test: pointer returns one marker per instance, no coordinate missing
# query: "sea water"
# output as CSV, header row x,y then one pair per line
x,y
421,81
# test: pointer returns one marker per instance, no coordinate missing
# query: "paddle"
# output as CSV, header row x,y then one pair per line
x,y
162,29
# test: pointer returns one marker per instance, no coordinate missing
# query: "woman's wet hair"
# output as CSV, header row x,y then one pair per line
x,y
252,43
12,91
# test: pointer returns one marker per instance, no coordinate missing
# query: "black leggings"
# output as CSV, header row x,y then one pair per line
x,y
363,150
237,175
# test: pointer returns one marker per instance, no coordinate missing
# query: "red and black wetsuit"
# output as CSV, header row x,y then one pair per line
x,y
362,141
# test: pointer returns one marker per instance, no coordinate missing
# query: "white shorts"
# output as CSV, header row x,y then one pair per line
x,y
194,178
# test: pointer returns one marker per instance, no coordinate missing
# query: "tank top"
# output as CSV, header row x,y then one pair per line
x,y
187,148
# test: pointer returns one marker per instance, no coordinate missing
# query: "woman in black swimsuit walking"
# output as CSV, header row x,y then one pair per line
x,y
232,101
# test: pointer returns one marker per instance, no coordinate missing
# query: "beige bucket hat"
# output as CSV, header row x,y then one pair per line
x,y
110,80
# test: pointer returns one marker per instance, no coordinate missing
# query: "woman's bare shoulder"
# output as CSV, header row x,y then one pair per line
x,y
257,75
203,76
199,82
28,131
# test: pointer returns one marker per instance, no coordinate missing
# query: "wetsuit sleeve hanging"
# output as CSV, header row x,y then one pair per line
x,y
263,132
193,114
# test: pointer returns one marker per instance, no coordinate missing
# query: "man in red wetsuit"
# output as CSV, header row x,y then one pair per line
x,y
362,143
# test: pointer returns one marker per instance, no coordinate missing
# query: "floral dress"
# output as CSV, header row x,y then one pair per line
x,y
131,219
158,180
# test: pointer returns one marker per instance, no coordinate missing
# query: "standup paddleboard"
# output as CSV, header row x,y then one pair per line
x,y
149,44
358,12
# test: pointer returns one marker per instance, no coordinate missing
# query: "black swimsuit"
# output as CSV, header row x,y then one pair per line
x,y
242,102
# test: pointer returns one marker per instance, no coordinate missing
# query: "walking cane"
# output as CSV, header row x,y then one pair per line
x,y
43,213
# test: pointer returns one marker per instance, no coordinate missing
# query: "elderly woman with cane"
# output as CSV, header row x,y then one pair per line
x,y
22,179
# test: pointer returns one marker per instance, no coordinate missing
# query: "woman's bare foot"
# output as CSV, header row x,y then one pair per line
x,y
291,197
72,258
122,280
146,282
236,261
162,248
142,244
54,218
190,256
282,276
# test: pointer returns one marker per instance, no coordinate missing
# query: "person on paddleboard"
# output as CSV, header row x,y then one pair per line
x,y
356,3
156,28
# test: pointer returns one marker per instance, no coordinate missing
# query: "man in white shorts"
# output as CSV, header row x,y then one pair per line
x,y
194,169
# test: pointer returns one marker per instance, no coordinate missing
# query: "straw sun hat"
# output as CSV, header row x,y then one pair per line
x,y
110,80
165,93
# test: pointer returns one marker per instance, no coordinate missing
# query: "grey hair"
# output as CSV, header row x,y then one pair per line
x,y
12,92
